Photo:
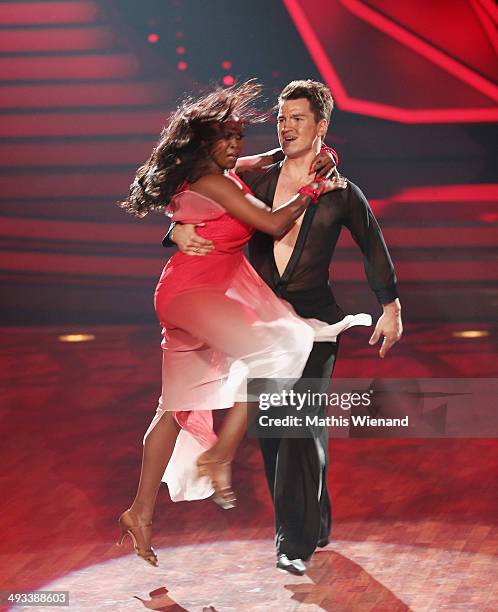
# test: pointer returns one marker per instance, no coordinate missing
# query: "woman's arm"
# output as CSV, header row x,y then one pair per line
x,y
222,190
323,164
260,160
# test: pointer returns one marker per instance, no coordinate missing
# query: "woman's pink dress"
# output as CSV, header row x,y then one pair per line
x,y
221,325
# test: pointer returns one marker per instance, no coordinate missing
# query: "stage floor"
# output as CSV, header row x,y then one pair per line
x,y
415,521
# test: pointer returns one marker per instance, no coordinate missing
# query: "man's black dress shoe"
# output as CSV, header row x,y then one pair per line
x,y
293,566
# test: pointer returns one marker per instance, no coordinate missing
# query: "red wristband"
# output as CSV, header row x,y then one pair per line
x,y
311,192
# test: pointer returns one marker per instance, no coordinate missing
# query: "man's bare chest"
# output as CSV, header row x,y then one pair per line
x,y
284,246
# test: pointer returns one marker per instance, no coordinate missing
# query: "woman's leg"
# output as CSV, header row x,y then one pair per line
x,y
231,432
158,448
137,520
215,463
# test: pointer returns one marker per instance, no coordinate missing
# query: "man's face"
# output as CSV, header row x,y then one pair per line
x,y
298,130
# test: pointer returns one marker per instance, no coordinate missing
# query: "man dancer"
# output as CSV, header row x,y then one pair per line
x,y
296,267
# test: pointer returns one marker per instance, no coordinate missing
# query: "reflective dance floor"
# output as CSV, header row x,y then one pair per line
x,y
415,521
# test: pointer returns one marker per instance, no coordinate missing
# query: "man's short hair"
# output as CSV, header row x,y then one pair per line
x,y
316,93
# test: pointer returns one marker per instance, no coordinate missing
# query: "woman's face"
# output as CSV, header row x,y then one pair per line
x,y
228,144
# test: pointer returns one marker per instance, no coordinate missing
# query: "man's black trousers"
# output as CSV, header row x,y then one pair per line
x,y
296,471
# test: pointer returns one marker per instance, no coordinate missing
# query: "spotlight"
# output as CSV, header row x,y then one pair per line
x,y
182,66
76,337
181,50
471,333
228,80
153,38
226,65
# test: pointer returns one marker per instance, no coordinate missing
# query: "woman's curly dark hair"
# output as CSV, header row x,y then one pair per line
x,y
184,145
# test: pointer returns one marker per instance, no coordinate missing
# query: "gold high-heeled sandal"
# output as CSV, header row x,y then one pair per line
x,y
129,526
218,473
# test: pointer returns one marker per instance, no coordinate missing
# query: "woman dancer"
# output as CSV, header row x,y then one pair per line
x,y
221,323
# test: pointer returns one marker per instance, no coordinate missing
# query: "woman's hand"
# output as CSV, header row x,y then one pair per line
x,y
188,240
335,182
318,187
323,165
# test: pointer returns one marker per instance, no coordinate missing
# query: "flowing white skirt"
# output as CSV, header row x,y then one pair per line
x,y
226,384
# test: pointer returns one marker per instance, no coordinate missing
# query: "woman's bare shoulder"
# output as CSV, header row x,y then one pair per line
x,y
211,185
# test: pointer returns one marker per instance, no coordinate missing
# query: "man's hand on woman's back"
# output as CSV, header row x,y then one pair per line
x,y
188,240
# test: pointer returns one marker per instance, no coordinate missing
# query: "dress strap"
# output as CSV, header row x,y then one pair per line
x,y
239,182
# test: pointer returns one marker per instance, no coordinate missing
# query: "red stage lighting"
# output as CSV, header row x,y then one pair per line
x,y
153,38
182,66
228,80
421,49
489,217
181,50
226,65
